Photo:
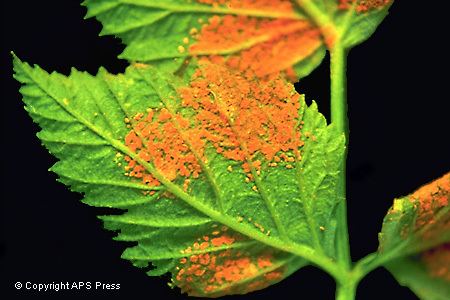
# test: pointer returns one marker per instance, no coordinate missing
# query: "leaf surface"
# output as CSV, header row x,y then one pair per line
x,y
415,240
167,33
217,180
262,37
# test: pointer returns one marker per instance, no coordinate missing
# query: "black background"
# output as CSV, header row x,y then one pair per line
x,y
399,141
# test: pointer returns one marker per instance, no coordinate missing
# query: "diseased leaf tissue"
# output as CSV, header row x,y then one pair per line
x,y
227,179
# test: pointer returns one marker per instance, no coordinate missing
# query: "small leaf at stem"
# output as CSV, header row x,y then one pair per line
x,y
416,240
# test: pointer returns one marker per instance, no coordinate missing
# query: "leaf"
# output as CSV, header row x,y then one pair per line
x,y
366,20
166,33
419,221
262,37
212,190
265,38
415,240
413,274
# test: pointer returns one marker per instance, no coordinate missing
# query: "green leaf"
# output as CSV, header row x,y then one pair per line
x,y
413,274
419,221
167,33
258,36
415,240
263,217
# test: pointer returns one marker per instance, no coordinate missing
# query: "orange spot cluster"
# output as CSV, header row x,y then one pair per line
x,y
345,4
208,271
431,198
437,261
277,5
363,5
155,138
245,118
260,46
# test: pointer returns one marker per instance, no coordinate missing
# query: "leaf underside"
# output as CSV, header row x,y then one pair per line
x,y
416,237
262,36
222,216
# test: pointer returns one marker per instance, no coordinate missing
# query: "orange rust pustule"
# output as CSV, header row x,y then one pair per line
x,y
244,117
156,139
431,198
217,273
437,261
363,6
270,5
263,46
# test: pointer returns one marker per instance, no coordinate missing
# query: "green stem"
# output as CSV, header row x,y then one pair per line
x,y
340,121
339,88
347,290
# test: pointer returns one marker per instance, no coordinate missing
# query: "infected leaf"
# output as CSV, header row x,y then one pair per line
x,y
259,36
229,178
416,238
419,221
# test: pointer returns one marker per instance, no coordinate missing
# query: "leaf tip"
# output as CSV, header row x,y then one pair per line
x,y
16,61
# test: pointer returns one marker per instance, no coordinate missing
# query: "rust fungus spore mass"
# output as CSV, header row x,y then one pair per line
x,y
244,117
431,198
269,5
212,267
261,45
155,139
363,6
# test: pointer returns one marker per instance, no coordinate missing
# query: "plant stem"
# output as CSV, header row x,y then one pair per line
x,y
340,121
339,88
347,290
